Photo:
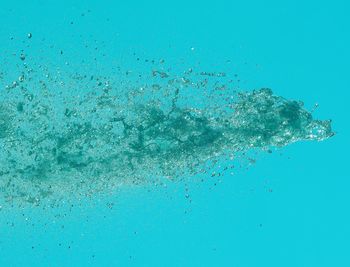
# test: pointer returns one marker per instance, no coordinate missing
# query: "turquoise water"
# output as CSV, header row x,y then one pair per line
x,y
173,134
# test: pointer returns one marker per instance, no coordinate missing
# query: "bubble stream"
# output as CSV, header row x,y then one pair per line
x,y
64,136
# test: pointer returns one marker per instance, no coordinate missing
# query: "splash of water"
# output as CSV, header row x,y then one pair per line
x,y
64,135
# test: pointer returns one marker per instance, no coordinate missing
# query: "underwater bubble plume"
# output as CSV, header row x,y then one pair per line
x,y
76,135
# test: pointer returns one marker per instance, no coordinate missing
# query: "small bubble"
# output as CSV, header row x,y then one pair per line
x,y
29,35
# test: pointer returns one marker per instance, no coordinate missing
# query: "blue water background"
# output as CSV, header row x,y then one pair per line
x,y
289,209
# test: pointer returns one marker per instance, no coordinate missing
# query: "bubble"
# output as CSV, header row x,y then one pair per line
x,y
74,136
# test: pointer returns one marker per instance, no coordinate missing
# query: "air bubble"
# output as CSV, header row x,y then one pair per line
x,y
74,136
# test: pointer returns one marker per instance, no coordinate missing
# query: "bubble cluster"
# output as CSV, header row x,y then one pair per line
x,y
66,135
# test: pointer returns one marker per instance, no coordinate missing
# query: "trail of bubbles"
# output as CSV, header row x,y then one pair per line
x,y
64,136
